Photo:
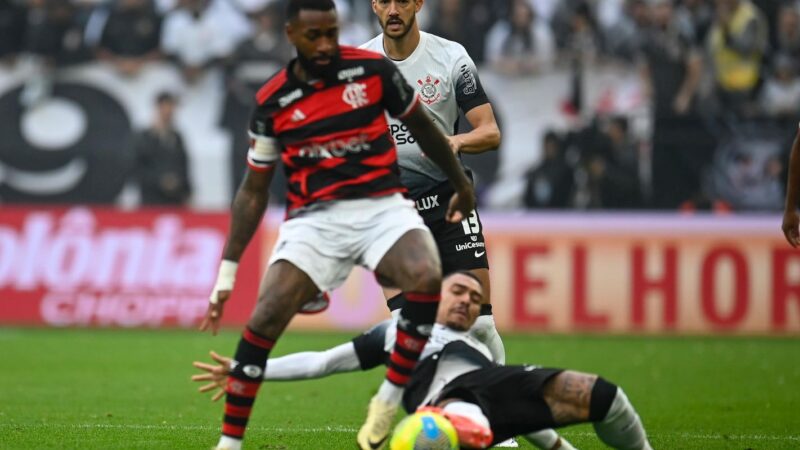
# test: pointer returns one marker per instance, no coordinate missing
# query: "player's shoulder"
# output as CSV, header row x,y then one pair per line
x,y
357,53
272,87
375,44
441,46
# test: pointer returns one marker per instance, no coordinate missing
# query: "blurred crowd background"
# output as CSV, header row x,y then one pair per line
x,y
672,105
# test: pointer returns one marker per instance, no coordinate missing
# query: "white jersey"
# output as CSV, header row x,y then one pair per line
x,y
451,366
446,80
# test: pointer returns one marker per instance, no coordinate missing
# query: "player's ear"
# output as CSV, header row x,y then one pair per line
x,y
374,7
419,4
289,30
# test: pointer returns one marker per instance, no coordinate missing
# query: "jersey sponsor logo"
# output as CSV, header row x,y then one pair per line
x,y
429,90
290,97
470,85
427,203
336,148
355,95
470,246
349,74
401,135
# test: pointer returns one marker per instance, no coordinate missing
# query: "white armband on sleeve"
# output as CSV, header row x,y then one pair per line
x,y
264,152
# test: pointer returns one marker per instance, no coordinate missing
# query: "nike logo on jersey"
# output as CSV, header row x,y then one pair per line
x,y
479,254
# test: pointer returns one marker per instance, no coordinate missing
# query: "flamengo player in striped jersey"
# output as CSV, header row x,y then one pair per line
x,y
324,117
791,219
446,80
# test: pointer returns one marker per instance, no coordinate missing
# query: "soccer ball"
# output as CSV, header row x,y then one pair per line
x,y
424,430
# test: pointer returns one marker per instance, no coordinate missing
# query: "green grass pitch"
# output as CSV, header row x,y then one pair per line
x,y
112,389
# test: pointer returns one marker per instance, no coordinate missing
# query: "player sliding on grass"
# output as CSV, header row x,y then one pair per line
x,y
457,375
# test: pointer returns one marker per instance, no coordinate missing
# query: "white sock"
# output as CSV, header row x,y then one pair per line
x,y
622,428
485,331
547,439
389,392
229,443
466,409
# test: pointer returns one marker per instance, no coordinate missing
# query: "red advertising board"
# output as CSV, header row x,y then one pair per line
x,y
102,267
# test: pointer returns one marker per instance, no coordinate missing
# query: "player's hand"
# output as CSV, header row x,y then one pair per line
x,y
219,295
791,221
215,374
462,203
214,312
455,143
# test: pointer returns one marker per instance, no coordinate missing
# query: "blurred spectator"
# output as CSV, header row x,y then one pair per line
x,y
671,69
671,62
550,184
201,33
351,32
788,31
624,37
584,40
253,62
12,29
737,43
162,168
465,22
520,44
131,36
698,15
51,38
609,175
780,97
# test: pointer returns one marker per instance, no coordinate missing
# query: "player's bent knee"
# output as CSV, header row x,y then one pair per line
x,y
603,394
425,276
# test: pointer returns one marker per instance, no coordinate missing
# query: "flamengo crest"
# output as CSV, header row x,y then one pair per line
x,y
355,95
429,90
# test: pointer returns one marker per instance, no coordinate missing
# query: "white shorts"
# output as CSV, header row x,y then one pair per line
x,y
327,243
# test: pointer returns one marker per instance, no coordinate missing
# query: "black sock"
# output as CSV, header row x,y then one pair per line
x,y
244,381
413,329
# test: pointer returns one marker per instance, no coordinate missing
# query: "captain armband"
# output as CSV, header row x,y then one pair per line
x,y
264,152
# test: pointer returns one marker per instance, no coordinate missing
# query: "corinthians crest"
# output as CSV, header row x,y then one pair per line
x,y
429,92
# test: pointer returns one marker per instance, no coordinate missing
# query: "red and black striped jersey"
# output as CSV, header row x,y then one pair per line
x,y
333,134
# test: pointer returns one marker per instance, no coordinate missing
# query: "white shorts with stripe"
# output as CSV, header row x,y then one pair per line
x,y
326,243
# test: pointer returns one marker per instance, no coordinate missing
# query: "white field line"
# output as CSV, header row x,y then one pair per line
x,y
344,429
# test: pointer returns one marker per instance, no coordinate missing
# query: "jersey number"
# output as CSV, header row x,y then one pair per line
x,y
471,224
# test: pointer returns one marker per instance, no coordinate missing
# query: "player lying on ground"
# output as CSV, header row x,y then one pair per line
x,y
791,219
364,352
463,370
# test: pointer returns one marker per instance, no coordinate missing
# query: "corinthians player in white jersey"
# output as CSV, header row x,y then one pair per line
x,y
446,81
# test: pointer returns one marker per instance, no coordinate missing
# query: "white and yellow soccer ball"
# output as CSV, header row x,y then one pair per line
x,y
424,430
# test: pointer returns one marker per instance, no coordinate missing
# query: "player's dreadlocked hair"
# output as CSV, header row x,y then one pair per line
x,y
294,6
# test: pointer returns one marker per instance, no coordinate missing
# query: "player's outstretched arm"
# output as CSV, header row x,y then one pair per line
x,y
437,148
791,220
485,134
309,365
295,366
247,211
